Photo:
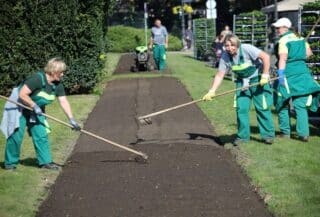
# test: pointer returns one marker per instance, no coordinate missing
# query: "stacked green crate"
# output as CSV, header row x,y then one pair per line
x,y
308,17
204,31
251,28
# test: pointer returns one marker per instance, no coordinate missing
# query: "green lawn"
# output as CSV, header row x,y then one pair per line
x,y
288,170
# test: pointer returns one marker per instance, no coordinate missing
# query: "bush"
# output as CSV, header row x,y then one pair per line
x,y
126,39
34,31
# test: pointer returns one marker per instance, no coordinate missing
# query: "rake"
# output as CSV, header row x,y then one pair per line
x,y
146,119
140,158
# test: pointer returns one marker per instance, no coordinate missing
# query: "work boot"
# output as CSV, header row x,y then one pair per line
x,y
268,141
237,142
10,167
283,136
50,166
304,138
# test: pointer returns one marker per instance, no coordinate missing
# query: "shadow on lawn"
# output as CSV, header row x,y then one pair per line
x,y
32,162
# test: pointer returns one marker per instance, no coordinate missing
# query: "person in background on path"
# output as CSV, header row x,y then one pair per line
x,y
159,43
219,45
245,61
37,91
226,31
218,49
188,37
295,81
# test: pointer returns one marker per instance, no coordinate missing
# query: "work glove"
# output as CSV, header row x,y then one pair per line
x,y
264,79
209,95
75,125
280,73
37,110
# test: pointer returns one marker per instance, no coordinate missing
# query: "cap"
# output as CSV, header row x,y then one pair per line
x,y
282,22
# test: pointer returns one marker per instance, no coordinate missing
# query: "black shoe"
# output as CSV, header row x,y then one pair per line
x,y
10,167
237,142
304,138
50,166
268,141
284,136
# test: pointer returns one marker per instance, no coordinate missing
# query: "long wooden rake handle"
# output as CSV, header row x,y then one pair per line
x,y
82,130
198,100
313,27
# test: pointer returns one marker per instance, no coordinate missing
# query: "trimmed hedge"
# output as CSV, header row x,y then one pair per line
x,y
125,39
34,31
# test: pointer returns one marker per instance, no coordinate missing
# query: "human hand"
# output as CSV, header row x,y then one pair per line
x,y
37,110
75,125
281,75
264,79
209,96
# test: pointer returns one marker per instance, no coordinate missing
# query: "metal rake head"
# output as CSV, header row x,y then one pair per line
x,y
141,159
145,120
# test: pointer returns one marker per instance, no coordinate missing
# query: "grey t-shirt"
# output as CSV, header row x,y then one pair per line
x,y
159,35
250,55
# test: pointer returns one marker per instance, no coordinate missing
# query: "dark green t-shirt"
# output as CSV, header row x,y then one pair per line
x,y
35,84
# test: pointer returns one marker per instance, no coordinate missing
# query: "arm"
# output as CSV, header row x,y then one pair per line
x,y
215,84
150,43
217,81
266,62
167,37
282,61
65,105
167,41
309,51
24,95
266,68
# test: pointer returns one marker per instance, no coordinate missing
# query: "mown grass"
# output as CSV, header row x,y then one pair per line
x,y
288,170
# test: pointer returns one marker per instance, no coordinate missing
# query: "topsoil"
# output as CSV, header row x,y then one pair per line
x,y
128,60
187,175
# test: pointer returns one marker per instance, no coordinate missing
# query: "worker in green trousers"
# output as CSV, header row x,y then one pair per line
x,y
159,43
37,91
245,62
295,81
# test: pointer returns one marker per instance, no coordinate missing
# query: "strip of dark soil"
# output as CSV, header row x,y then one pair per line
x,y
188,173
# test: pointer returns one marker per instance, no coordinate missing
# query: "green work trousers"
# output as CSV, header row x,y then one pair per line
x,y
302,125
40,140
159,56
262,100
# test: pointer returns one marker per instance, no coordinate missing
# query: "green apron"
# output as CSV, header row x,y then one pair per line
x,y
299,86
298,79
261,96
37,127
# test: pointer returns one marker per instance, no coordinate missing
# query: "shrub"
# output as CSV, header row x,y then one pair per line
x,y
34,31
126,39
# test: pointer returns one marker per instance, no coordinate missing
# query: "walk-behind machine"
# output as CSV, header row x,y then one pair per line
x,y
142,54
142,60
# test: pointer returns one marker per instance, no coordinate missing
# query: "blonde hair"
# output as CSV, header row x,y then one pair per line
x,y
55,65
233,39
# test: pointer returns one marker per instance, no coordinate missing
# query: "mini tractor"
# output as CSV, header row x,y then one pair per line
x,y
142,57
142,54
